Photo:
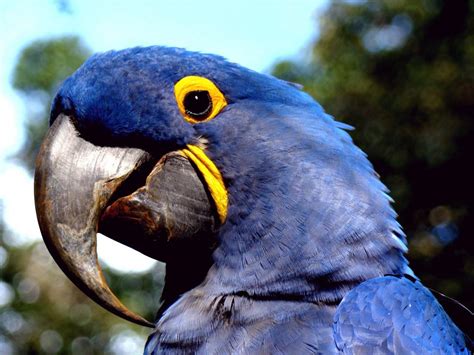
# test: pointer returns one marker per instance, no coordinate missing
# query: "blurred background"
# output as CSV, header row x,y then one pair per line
x,y
400,71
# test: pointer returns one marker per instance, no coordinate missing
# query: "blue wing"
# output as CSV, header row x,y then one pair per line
x,y
398,315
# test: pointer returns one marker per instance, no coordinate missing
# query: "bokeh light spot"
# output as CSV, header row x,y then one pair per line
x,y
51,342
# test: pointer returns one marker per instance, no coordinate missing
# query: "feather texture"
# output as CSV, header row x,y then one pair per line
x,y
308,218
395,315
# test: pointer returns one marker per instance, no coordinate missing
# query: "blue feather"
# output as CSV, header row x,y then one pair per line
x,y
308,220
395,315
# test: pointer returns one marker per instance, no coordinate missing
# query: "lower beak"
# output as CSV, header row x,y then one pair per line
x,y
79,187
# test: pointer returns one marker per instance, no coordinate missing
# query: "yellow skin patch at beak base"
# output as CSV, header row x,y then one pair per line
x,y
212,176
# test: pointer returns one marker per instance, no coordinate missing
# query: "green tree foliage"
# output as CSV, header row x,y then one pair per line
x,y
41,311
44,64
402,73
41,68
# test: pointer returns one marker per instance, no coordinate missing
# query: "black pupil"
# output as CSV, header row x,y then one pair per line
x,y
198,104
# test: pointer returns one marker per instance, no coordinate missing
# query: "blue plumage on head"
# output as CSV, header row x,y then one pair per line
x,y
303,197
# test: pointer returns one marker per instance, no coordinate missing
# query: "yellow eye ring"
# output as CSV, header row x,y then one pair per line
x,y
199,99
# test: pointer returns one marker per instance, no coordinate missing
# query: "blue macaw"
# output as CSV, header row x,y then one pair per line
x,y
277,234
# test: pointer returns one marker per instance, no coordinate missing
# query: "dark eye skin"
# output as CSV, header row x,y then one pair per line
x,y
198,104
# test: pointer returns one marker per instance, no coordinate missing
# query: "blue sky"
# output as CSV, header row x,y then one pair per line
x,y
255,34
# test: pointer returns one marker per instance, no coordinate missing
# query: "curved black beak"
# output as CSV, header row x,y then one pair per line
x,y
148,204
73,182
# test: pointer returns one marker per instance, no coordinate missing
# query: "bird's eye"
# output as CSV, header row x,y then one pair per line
x,y
198,104
198,99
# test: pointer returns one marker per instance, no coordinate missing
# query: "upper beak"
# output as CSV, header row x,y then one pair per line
x,y
78,186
